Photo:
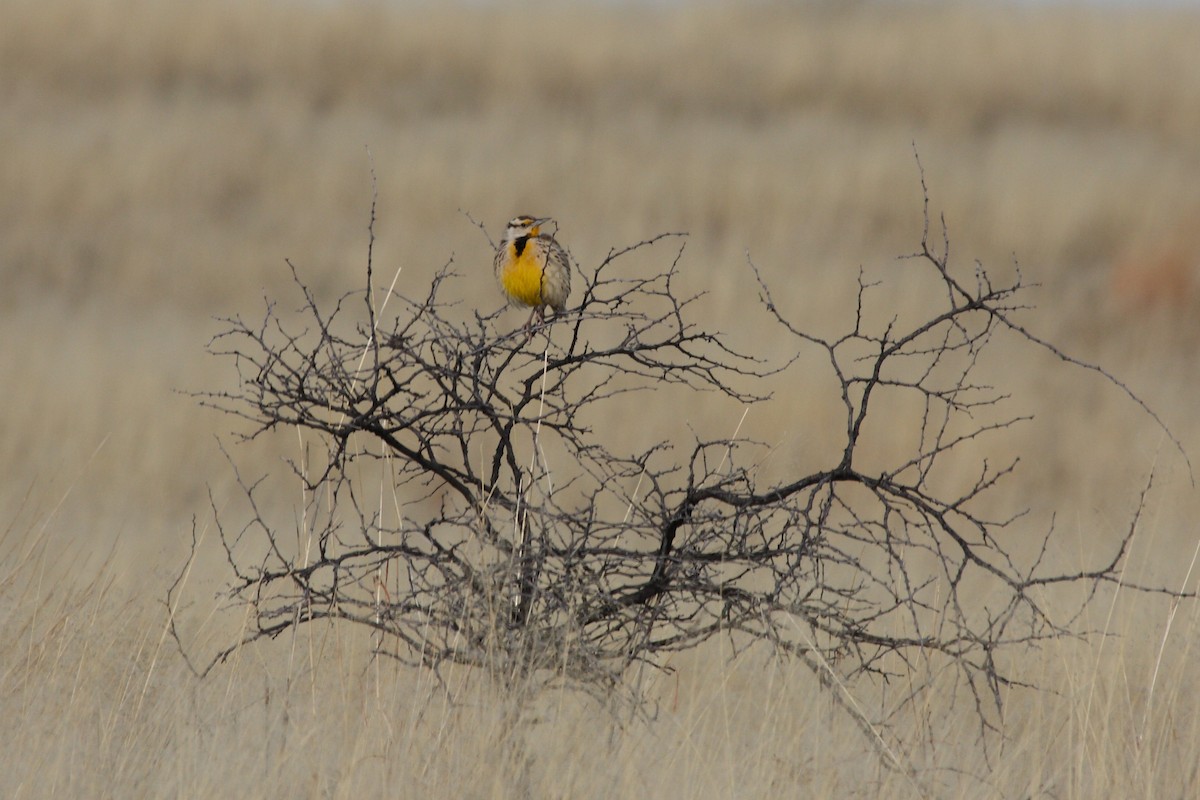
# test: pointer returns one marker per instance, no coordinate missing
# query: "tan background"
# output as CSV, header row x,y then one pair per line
x,y
160,160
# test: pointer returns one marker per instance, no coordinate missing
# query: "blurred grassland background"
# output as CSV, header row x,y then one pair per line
x,y
161,159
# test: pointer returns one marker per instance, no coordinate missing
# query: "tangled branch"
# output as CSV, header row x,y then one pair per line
x,y
492,559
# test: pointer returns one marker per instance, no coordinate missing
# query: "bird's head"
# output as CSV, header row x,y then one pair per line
x,y
524,225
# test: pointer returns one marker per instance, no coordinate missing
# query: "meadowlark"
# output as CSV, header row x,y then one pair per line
x,y
533,268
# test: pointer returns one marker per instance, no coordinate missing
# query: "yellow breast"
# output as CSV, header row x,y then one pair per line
x,y
521,275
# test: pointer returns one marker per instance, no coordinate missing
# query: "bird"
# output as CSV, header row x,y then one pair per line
x,y
533,269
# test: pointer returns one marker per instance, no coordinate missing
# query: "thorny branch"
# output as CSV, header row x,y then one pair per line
x,y
619,555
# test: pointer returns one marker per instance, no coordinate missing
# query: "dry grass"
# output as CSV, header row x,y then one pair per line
x,y
161,159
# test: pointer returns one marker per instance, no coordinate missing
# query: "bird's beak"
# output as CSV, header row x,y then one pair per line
x,y
539,222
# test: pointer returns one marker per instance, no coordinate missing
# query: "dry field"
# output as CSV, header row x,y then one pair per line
x,y
161,160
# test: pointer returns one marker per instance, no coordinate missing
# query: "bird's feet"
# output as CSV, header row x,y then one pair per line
x,y
540,315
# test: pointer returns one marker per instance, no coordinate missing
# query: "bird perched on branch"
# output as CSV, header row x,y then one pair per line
x,y
533,268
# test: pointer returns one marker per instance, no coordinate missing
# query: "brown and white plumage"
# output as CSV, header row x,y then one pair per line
x,y
533,268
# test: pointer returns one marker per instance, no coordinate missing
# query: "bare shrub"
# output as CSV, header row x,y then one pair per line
x,y
478,553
